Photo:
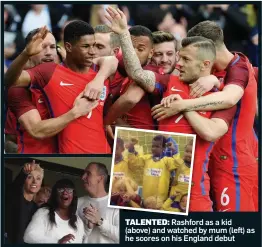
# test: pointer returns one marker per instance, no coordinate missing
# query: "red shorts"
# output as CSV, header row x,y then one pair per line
x,y
234,190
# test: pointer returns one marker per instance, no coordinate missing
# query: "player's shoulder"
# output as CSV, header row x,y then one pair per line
x,y
239,61
46,66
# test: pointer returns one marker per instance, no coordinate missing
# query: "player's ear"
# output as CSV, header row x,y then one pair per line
x,y
116,51
206,65
68,47
151,53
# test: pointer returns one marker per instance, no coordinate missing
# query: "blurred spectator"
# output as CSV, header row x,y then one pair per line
x,y
38,16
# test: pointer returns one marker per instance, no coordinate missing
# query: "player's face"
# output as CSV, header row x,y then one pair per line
x,y
165,56
91,178
33,182
189,64
41,199
183,202
157,148
48,54
143,48
83,51
65,197
102,46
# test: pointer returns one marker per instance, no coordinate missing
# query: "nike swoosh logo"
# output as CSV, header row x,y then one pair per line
x,y
65,84
224,210
40,101
175,90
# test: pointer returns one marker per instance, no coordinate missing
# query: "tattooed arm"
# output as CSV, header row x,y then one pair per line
x,y
225,99
144,78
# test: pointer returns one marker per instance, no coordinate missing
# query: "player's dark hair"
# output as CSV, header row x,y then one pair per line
x,y
52,204
210,30
141,31
162,139
206,47
101,170
76,29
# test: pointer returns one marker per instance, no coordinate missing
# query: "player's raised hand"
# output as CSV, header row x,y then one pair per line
x,y
35,46
117,20
66,239
166,102
83,106
203,85
29,167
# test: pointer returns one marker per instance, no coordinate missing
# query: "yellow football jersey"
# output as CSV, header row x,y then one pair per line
x,y
181,180
167,206
156,174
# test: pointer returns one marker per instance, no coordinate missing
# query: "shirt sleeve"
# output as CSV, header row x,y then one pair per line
x,y
10,124
227,115
237,75
111,229
19,101
40,75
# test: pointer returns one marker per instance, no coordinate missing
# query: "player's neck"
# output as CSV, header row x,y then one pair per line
x,y
223,58
71,65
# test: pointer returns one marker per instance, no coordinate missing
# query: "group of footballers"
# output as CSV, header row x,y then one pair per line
x,y
204,89
165,175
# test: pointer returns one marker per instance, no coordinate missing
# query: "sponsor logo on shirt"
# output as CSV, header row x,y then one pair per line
x,y
183,178
119,174
40,101
103,94
153,172
65,84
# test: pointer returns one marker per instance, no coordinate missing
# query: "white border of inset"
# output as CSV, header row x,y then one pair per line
x,y
158,132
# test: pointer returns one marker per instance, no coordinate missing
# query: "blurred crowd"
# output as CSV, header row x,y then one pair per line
x,y
238,21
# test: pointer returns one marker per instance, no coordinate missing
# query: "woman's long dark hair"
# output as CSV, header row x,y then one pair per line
x,y
52,204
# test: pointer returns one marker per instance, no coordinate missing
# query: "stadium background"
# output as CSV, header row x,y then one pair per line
x,y
239,21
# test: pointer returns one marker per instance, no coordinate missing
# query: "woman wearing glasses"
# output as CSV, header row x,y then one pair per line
x,y
57,221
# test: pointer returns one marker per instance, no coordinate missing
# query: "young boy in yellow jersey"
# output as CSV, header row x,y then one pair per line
x,y
157,168
181,180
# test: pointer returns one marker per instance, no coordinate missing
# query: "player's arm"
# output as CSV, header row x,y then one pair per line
x,y
225,99
15,75
214,128
41,129
124,103
118,23
107,67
